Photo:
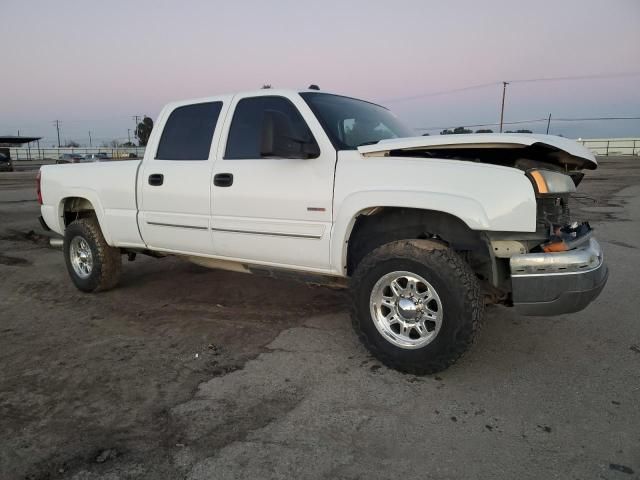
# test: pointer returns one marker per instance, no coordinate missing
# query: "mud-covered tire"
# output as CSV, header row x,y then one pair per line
x,y
106,261
458,291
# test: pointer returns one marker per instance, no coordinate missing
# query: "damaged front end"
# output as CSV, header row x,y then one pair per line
x,y
561,269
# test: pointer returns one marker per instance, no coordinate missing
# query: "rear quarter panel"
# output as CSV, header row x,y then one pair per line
x,y
109,186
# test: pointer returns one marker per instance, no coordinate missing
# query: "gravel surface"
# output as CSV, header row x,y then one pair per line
x,y
184,372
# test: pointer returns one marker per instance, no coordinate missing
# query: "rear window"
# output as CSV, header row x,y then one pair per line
x,y
188,132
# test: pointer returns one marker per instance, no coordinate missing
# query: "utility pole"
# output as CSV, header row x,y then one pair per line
x,y
504,92
548,123
136,119
90,139
58,129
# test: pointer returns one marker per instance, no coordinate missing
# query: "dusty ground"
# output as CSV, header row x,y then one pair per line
x,y
184,372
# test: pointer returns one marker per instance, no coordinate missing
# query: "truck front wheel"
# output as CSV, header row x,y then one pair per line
x,y
417,305
92,264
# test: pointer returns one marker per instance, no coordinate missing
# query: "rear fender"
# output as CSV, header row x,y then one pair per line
x,y
83,200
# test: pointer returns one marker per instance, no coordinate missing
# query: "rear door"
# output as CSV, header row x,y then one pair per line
x,y
175,180
270,205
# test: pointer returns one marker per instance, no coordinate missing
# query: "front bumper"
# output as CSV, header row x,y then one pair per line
x,y
557,283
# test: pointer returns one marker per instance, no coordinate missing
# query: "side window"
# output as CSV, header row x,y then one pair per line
x,y
269,127
188,132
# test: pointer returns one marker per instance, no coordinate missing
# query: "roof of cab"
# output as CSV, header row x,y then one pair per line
x,y
283,92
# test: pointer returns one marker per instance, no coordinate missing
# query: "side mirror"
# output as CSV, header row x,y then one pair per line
x,y
278,139
311,149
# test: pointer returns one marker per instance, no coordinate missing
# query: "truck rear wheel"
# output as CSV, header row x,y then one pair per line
x,y
417,305
92,264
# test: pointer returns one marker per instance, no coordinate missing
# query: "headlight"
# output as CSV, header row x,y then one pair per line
x,y
547,182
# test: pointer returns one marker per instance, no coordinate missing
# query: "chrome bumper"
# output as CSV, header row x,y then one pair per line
x,y
557,283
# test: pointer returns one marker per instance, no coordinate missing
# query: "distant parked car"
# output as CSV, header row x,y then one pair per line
x,y
70,158
5,163
126,155
96,157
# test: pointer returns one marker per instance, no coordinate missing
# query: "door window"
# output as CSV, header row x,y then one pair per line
x,y
269,127
188,132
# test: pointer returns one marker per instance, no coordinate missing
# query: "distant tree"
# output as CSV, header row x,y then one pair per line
x,y
128,144
425,134
518,131
143,131
266,86
455,131
484,130
72,144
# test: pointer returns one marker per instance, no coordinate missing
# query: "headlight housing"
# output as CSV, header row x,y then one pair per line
x,y
547,182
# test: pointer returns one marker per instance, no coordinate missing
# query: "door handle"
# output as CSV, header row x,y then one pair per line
x,y
223,179
156,179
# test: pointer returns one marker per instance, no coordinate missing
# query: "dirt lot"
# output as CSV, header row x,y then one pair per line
x,y
184,372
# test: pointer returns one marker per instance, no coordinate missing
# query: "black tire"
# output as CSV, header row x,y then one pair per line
x,y
107,261
456,286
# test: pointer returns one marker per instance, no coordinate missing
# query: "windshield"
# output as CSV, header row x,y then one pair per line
x,y
350,123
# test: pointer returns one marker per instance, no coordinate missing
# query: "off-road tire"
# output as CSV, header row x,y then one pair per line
x,y
107,260
456,285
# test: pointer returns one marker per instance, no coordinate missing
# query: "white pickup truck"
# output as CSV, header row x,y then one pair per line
x,y
423,230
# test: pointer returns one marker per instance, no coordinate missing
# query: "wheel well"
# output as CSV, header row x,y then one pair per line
x,y
381,225
76,207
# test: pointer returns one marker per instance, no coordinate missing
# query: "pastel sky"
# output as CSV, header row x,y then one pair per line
x,y
94,64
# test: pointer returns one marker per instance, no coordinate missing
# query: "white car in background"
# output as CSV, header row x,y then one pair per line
x,y
96,157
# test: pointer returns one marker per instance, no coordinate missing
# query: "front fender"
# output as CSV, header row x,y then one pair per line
x,y
484,197
467,209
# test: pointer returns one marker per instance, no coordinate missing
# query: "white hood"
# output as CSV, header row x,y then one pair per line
x,y
554,149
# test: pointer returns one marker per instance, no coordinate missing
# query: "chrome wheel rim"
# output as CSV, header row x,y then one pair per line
x,y
406,309
81,257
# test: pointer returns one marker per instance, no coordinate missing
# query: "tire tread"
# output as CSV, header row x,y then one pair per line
x,y
449,263
109,261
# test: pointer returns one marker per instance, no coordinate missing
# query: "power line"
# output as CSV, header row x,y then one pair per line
x,y
578,77
534,120
522,80
444,92
485,124
587,119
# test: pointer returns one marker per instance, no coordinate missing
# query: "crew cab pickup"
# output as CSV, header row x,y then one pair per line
x,y
424,230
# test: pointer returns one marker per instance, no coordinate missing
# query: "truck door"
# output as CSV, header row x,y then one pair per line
x,y
273,185
175,179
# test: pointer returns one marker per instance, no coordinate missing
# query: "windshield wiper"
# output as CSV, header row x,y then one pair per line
x,y
371,142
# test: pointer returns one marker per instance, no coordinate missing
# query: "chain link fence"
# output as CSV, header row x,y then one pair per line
x,y
31,153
